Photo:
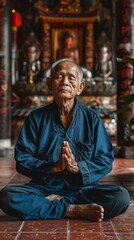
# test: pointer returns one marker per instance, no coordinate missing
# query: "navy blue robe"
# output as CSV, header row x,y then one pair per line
x,y
38,148
40,142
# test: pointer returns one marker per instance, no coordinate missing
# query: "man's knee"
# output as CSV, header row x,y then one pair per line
x,y
119,202
4,196
5,200
123,198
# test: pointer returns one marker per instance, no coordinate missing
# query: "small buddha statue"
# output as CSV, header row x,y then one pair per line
x,y
103,54
68,49
31,64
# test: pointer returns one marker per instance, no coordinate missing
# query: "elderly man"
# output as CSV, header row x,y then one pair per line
x,y
64,148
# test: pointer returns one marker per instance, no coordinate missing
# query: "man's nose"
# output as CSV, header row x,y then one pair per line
x,y
65,80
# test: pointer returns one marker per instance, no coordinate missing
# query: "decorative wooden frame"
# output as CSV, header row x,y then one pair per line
x,y
57,38
53,26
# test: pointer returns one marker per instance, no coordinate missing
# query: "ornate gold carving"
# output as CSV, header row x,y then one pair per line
x,y
89,26
68,7
89,49
66,20
46,46
46,26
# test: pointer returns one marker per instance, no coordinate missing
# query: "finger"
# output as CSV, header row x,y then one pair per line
x,y
73,169
63,157
67,152
64,144
69,149
64,147
63,151
69,163
67,159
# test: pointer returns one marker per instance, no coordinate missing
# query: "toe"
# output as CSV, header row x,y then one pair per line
x,y
100,208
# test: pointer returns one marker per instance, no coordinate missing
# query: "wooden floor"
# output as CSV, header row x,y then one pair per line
x,y
119,228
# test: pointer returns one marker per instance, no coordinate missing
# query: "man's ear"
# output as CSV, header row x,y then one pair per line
x,y
49,83
81,87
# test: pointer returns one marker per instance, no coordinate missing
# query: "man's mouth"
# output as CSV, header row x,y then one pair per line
x,y
64,89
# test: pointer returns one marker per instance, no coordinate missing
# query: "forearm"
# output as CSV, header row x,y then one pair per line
x,y
33,172
94,169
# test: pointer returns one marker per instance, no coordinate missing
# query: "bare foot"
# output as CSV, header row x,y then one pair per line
x,y
92,212
54,196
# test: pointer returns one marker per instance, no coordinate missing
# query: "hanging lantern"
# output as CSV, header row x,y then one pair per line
x,y
16,20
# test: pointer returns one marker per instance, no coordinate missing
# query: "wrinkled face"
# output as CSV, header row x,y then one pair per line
x,y
65,83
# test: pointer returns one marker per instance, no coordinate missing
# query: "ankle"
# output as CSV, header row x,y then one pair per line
x,y
71,210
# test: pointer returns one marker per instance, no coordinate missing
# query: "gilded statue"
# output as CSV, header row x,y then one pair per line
x,y
31,51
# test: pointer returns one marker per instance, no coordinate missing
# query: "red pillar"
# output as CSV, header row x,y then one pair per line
x,y
123,69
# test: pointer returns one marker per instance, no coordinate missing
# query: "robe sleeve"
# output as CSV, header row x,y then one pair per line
x,y
27,162
99,162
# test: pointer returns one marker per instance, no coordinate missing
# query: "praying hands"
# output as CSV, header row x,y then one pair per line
x,y
66,161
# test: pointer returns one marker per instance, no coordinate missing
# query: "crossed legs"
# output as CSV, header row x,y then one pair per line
x,y
101,202
31,202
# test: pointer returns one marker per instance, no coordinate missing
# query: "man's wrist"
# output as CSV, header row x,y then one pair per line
x,y
55,168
